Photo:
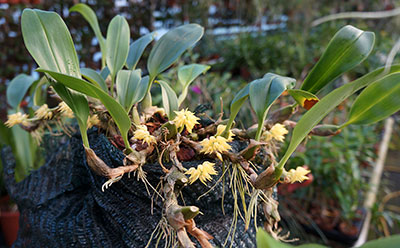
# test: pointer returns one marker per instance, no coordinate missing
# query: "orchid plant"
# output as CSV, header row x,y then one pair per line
x,y
117,99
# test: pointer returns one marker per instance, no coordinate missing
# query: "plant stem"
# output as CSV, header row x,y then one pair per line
x,y
225,133
112,85
147,101
259,129
135,116
82,128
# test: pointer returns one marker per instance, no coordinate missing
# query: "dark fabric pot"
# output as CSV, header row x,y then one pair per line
x,y
62,204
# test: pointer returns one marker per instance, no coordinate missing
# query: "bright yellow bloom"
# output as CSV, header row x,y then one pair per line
x,y
141,133
215,145
297,175
17,118
93,121
185,118
221,129
277,132
203,172
65,110
44,112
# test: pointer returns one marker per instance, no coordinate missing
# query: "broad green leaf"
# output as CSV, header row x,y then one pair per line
x,y
378,101
95,78
91,18
130,88
169,99
78,104
136,50
236,104
49,42
264,91
387,242
170,46
264,240
105,72
23,150
17,89
304,98
118,35
348,48
5,135
186,75
116,111
313,116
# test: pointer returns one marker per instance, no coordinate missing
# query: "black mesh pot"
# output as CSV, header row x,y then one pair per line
x,y
62,204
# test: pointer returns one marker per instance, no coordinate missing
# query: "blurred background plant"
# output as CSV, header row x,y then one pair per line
x,y
341,168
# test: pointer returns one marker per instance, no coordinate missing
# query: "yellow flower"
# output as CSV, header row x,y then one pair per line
x,y
203,172
297,175
65,110
141,133
277,132
215,145
44,112
221,129
37,135
17,118
185,118
93,121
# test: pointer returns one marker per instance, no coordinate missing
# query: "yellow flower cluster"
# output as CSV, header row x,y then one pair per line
x,y
93,121
185,118
17,118
277,132
215,145
141,133
65,110
44,112
221,129
203,172
297,175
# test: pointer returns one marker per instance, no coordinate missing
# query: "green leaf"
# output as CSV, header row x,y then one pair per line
x,y
23,148
91,18
170,46
264,91
378,101
304,98
17,89
49,42
312,117
95,78
116,111
170,100
348,48
186,75
5,135
387,242
78,104
136,50
264,240
105,72
118,35
131,88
